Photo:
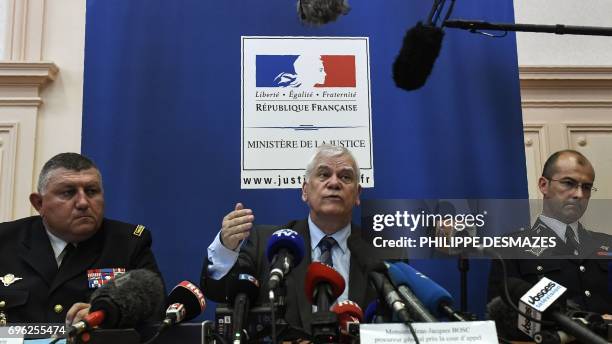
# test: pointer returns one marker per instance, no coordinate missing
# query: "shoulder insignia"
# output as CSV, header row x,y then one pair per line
x,y
138,230
605,248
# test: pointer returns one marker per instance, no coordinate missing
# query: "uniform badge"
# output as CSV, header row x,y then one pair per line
x,y
138,230
9,279
536,251
99,277
605,248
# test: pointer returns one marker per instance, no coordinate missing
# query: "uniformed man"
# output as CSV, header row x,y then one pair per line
x,y
52,262
566,185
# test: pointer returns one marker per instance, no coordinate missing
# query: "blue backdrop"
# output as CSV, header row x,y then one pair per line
x,y
161,117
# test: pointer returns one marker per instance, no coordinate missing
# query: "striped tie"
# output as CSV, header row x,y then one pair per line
x,y
326,245
570,240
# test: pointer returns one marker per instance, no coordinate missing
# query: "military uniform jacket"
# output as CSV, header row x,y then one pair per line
x,y
252,259
45,293
585,277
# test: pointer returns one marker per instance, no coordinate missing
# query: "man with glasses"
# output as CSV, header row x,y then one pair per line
x,y
566,185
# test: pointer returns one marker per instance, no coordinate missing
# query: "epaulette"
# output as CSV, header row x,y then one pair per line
x,y
138,230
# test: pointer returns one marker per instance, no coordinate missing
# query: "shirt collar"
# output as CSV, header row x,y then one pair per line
x,y
316,234
57,244
559,227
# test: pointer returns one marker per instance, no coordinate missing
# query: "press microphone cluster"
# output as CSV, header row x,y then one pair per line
x,y
542,295
123,302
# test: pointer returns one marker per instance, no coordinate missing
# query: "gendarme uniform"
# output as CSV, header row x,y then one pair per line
x,y
34,289
584,275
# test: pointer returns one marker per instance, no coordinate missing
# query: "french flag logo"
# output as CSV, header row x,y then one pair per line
x,y
305,71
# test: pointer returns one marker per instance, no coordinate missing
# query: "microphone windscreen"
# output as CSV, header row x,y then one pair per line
x,y
370,312
420,48
322,273
129,298
244,284
431,294
506,319
190,296
319,12
286,239
348,308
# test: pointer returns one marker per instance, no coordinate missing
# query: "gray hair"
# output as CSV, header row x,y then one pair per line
x,y
328,151
69,161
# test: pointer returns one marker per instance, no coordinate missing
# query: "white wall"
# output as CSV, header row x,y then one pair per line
x,y
541,49
59,119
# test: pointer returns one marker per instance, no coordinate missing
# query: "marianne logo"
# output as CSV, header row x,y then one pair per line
x,y
305,71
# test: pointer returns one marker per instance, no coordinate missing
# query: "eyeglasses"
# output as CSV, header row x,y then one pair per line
x,y
570,184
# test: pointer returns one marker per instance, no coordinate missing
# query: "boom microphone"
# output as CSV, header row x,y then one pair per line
x,y
319,12
123,302
416,309
437,299
420,49
284,251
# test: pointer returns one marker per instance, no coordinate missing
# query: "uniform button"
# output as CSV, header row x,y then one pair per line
x,y
58,308
587,293
539,268
582,268
2,304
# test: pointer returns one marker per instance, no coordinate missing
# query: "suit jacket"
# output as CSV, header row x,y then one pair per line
x,y
45,293
298,311
585,278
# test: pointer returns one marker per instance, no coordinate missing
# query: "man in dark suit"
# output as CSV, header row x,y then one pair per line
x,y
331,190
566,185
50,264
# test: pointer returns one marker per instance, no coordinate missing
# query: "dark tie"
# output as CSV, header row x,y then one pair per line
x,y
68,251
570,240
326,245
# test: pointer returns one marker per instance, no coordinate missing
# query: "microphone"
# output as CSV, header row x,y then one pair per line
x,y
546,300
242,293
420,49
323,284
348,313
320,12
437,299
123,302
186,301
387,292
285,250
416,309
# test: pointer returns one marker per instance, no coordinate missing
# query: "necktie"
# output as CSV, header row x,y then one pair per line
x,y
326,245
66,253
570,240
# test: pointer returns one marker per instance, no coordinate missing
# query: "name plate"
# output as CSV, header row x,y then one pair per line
x,y
468,332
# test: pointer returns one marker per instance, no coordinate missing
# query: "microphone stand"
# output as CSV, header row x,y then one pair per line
x,y
463,264
559,29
